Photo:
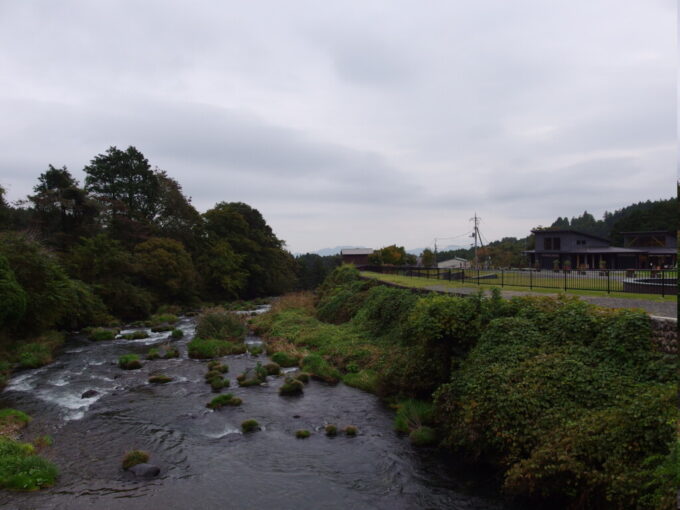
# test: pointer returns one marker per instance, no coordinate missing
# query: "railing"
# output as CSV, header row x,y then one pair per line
x,y
641,281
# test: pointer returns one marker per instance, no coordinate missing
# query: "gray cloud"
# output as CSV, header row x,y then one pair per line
x,y
353,123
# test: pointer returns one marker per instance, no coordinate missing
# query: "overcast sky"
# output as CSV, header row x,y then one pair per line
x,y
353,123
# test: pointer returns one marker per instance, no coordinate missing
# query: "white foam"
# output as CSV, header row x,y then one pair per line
x,y
227,430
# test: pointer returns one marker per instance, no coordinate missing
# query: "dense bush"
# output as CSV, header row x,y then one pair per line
x,y
342,303
202,348
385,310
217,323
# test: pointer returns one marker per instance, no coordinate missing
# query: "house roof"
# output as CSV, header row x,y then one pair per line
x,y
356,251
568,231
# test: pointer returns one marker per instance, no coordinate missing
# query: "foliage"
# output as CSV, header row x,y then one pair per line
x,y
291,386
250,426
302,434
224,400
320,369
413,414
166,269
202,348
312,269
177,333
21,469
366,380
219,324
331,430
284,359
160,379
34,355
129,362
351,430
134,457
385,309
13,298
428,258
423,436
101,334
343,302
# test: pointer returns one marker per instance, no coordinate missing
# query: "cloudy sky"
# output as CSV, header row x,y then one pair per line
x,y
353,123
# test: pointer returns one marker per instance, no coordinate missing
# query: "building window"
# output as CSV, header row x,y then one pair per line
x,y
551,243
556,243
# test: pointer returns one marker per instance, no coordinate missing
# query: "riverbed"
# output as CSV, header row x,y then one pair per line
x,y
206,461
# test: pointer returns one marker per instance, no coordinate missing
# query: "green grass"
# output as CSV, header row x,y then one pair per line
x,y
302,434
177,333
21,469
413,414
284,359
250,426
423,436
205,348
519,285
320,369
134,457
366,380
11,416
101,334
224,400
163,318
160,379
129,362
34,355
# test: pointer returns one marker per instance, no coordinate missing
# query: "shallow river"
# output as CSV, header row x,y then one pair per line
x,y
205,461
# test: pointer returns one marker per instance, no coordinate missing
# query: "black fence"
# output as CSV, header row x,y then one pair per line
x,y
655,281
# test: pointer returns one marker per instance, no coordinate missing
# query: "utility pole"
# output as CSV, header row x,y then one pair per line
x,y
436,264
475,235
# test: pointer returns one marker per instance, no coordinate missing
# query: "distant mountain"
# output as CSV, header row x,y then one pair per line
x,y
324,252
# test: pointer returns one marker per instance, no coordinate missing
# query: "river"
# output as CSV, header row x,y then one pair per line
x,y
205,461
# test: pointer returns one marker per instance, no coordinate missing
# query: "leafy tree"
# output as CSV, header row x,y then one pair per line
x,y
428,258
176,218
13,298
393,255
222,270
166,269
129,190
312,269
62,210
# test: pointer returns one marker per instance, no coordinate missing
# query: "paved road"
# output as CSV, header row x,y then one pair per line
x,y
666,309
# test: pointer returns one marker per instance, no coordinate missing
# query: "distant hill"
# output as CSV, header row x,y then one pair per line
x,y
325,252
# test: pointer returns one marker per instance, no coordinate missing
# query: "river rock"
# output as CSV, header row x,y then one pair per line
x,y
89,394
145,470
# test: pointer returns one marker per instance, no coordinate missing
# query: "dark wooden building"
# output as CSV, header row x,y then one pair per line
x,y
356,256
578,250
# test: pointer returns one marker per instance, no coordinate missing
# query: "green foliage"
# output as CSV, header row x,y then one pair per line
x,y
218,366
428,258
273,369
224,400
38,354
320,369
177,333
101,334
312,269
284,359
160,379
331,430
250,426
21,470
202,348
166,269
221,325
413,414
136,335
13,298
385,310
154,353
366,380
134,457
255,350
351,430
423,436
341,303
302,434
291,386
129,362
171,352
163,319
10,418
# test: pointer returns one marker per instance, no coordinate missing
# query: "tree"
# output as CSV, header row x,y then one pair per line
x,y
62,210
176,217
428,258
393,255
129,190
166,268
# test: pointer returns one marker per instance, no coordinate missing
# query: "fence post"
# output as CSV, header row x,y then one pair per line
x,y
531,284
663,284
502,277
565,281
608,285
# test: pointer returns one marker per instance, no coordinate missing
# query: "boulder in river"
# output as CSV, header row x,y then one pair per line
x,y
145,470
89,394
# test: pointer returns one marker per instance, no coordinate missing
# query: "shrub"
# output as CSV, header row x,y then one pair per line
x,y
250,426
12,420
101,334
171,352
21,470
34,355
291,386
210,348
423,436
302,434
134,457
284,359
177,333
320,369
160,379
342,303
253,377
331,430
217,383
219,324
413,414
160,319
303,377
136,335
255,350
366,380
129,362
385,310
218,366
224,400
351,430
154,353
161,329
272,369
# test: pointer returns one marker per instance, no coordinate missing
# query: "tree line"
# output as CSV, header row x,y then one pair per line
x,y
127,241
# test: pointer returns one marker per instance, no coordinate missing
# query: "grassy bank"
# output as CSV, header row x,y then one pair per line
x,y
417,282
568,401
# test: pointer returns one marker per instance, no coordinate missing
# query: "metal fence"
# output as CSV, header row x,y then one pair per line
x,y
644,281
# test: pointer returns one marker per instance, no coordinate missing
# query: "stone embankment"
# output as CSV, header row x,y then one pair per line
x,y
665,334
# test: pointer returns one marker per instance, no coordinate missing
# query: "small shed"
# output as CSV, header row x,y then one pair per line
x,y
356,256
454,263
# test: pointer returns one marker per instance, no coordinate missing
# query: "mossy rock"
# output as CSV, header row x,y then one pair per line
x,y
423,436
350,430
272,369
250,426
291,387
136,335
253,376
302,434
129,362
331,430
160,379
134,457
154,353
224,400
171,352
284,359
177,333
218,366
102,334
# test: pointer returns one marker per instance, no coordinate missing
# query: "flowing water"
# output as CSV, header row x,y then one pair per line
x,y
205,460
